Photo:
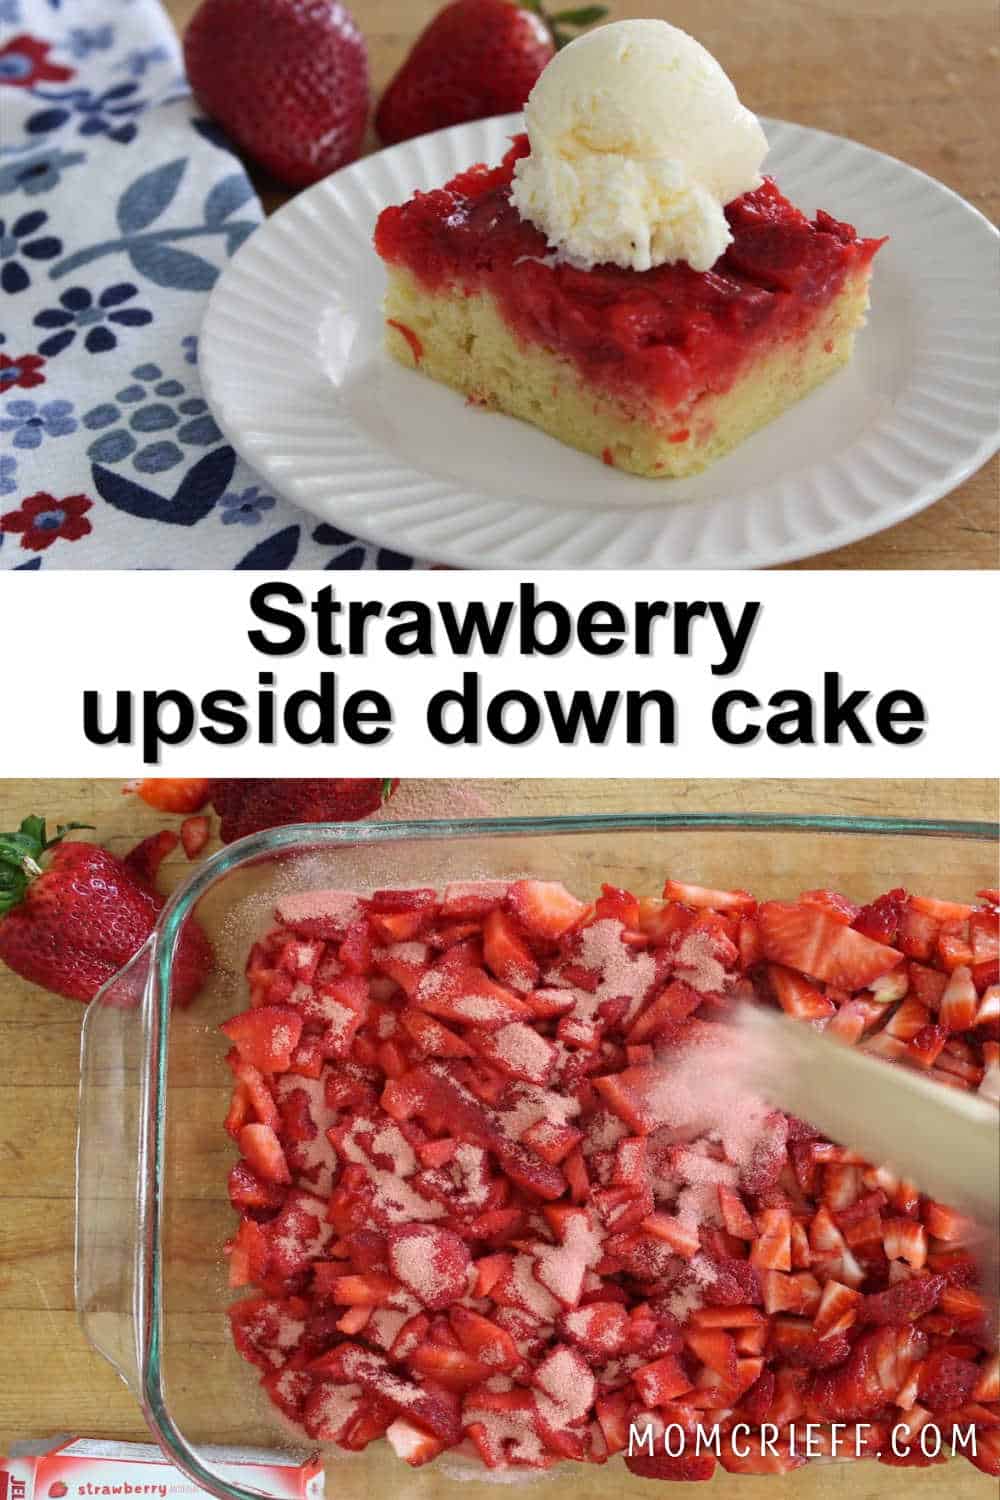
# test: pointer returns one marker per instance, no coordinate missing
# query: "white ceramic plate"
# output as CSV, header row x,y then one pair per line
x,y
292,360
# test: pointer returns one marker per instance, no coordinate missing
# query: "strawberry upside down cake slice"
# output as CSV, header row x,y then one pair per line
x,y
659,372
486,1205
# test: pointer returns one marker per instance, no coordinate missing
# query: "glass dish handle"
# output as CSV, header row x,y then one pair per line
x,y
108,1173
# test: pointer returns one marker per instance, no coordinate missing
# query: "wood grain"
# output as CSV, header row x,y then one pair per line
x,y
914,78
60,1384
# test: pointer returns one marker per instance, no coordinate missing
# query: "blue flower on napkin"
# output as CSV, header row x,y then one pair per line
x,y
246,509
84,40
22,239
105,113
78,310
30,422
38,173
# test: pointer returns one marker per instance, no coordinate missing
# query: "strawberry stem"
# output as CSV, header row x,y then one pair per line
x,y
565,25
20,854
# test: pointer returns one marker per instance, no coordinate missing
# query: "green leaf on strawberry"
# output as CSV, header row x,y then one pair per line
x,y
20,853
563,23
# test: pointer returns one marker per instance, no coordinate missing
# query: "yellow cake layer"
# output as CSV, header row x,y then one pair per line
x,y
465,343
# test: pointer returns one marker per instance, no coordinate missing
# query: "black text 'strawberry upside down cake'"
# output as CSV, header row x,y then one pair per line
x,y
498,1206
627,280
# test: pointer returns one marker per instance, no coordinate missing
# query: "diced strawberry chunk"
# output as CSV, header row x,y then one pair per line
x,y
959,1000
248,1255
412,1444
946,1382
600,1328
432,1263
686,1468
485,1341
262,1150
715,1348
662,1380
878,1367
473,898
351,1364
506,954
518,1051
266,1036
327,915
682,1238
194,835
810,940
544,908
796,997
700,896
267,1329
247,1190
550,1140
469,997
772,1250
941,911
672,1006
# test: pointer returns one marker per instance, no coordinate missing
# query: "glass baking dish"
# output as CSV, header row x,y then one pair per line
x,y
153,1159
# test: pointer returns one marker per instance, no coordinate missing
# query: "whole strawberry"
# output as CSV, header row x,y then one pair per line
x,y
71,926
287,80
477,58
248,806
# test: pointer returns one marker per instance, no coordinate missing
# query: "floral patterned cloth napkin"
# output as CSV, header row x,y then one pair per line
x,y
119,205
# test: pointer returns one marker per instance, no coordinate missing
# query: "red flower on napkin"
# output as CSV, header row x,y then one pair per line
x,y
42,520
23,63
24,371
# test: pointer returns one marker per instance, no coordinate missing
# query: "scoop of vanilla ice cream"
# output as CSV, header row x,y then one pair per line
x,y
638,141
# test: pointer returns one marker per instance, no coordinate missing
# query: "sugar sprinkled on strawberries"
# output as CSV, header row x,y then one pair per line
x,y
554,1263
530,1292
524,1050
528,1105
697,964
394,1197
622,971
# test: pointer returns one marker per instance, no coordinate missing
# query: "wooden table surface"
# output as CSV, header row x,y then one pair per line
x,y
914,78
50,1380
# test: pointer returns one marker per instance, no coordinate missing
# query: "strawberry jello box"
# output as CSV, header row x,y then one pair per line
x,y
69,1468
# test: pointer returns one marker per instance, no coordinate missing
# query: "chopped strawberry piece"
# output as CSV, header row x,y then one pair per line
x,y
432,1263
247,1190
350,1364
506,954
878,1367
327,915
518,1051
945,1381
880,920
833,902
266,1036
687,1468
473,898
715,1348
663,1380
468,997
796,996
262,1150
810,940
700,896
544,908
194,836
672,1006
959,1001
267,1329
